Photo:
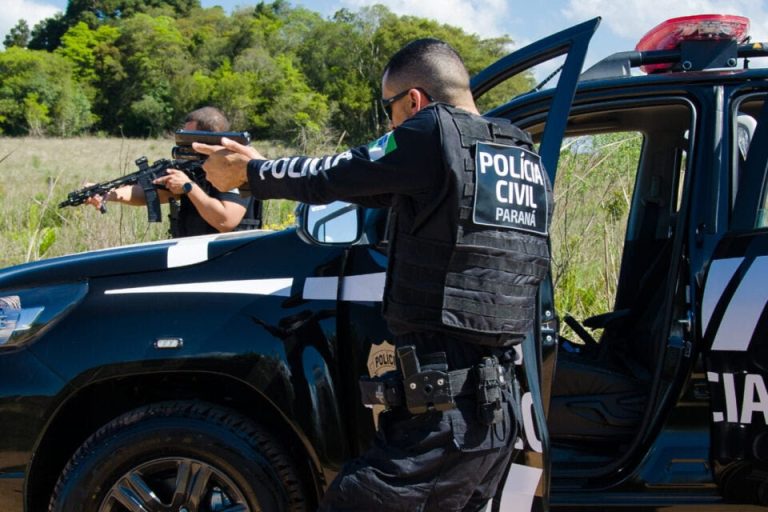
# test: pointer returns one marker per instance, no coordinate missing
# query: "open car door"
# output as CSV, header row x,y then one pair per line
x,y
526,484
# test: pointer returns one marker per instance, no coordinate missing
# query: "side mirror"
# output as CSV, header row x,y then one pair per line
x,y
337,223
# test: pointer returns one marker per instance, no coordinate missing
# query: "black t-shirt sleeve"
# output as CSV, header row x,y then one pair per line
x,y
403,162
231,196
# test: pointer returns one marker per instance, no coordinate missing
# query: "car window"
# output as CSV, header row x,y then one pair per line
x,y
593,194
762,213
744,124
614,162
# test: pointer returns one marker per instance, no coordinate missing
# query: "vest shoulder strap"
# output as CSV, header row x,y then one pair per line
x,y
253,215
473,128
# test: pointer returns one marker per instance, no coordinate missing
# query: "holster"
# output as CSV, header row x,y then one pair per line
x,y
434,388
425,390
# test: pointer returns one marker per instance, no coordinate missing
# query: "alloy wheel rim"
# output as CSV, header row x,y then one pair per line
x,y
174,484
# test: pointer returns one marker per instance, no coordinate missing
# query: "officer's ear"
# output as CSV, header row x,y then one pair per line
x,y
418,100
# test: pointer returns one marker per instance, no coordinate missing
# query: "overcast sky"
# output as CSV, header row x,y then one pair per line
x,y
624,21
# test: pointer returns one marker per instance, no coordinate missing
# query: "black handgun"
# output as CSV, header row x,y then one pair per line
x,y
184,139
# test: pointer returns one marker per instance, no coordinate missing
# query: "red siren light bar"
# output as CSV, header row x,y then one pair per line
x,y
702,27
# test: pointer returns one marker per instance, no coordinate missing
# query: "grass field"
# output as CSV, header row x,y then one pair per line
x,y
36,175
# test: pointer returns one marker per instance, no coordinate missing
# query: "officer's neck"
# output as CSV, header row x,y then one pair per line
x,y
467,107
467,102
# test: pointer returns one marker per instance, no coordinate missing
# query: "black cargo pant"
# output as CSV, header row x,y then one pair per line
x,y
437,461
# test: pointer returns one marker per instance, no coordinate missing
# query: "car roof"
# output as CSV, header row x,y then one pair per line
x,y
618,66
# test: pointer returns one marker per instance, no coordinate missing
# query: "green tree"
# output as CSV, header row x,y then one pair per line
x,y
338,61
295,110
251,71
96,63
477,53
252,28
155,60
35,114
344,57
297,25
39,95
284,71
239,95
48,33
88,49
95,12
72,111
19,35
207,32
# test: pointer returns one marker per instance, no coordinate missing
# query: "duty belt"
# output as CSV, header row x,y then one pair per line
x,y
434,390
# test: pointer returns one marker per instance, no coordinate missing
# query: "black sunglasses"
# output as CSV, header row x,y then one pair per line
x,y
386,103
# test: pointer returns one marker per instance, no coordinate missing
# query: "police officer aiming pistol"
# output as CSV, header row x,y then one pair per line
x,y
470,207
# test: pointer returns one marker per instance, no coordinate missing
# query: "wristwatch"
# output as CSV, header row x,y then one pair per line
x,y
187,187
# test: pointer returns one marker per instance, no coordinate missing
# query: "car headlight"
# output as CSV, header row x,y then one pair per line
x,y
25,314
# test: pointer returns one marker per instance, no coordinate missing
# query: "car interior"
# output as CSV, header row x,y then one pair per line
x,y
747,112
603,380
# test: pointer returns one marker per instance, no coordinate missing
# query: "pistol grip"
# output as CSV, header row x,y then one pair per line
x,y
409,363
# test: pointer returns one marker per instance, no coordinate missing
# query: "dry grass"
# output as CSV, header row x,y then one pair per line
x,y
593,195
36,174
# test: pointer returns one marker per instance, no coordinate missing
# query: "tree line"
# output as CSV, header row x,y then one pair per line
x,y
136,67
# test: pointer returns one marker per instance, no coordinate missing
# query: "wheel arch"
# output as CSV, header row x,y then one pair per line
x,y
77,418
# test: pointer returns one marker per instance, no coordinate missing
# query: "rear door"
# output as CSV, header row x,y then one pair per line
x,y
734,317
526,484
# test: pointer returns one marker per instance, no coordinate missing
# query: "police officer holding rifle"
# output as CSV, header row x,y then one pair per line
x,y
196,208
468,249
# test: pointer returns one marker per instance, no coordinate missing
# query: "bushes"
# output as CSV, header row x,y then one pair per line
x,y
592,195
39,95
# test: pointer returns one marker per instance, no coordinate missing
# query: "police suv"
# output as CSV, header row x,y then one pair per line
x,y
220,373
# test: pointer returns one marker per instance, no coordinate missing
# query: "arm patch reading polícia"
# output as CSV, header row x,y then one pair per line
x,y
510,189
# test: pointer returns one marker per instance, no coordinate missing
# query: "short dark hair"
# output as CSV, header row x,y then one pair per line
x,y
431,64
208,119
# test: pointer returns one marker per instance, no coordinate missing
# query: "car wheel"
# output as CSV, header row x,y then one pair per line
x,y
179,456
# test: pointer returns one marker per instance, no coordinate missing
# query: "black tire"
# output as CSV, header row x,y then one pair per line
x,y
179,456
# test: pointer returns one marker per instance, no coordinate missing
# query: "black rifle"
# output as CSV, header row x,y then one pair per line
x,y
185,159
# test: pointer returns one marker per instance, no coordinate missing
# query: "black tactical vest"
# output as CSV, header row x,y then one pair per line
x,y
254,213
186,221
471,262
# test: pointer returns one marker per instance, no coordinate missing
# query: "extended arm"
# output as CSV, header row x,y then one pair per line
x,y
370,175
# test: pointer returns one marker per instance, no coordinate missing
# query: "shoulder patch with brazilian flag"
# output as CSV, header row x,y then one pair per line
x,y
382,146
